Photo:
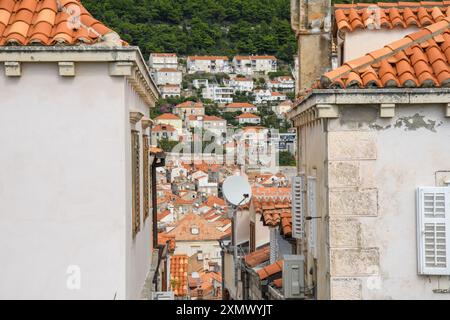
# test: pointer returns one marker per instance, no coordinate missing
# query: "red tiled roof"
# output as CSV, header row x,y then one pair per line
x,y
276,94
350,17
278,283
163,239
162,215
247,116
179,275
48,22
207,230
256,58
168,116
213,118
273,210
212,200
163,127
240,105
190,104
420,59
257,257
270,270
208,58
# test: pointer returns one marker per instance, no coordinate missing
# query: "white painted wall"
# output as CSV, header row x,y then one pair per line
x,y
360,42
210,249
66,155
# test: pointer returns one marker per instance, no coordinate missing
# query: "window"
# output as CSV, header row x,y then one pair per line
x,y
433,223
195,230
298,206
135,149
252,237
312,236
146,174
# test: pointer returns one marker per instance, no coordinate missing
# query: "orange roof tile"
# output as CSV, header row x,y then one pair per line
x,y
421,59
208,231
270,270
179,274
207,58
278,283
256,58
164,239
247,116
257,257
190,104
240,105
49,22
168,116
212,200
350,17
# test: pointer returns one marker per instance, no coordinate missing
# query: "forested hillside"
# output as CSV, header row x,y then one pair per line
x,y
225,27
187,27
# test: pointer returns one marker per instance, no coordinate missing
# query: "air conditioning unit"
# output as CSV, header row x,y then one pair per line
x,y
294,277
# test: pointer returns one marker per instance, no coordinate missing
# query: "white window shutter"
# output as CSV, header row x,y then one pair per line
x,y
433,230
312,212
298,206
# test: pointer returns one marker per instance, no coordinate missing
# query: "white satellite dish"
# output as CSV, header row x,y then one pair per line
x,y
237,190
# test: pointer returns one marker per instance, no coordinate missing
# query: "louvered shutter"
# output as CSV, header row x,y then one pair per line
x,y
298,206
433,230
312,236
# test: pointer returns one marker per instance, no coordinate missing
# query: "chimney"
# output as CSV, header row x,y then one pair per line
x,y
311,21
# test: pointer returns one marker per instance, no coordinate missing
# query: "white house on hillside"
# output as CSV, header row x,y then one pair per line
x,y
208,64
75,213
159,61
249,65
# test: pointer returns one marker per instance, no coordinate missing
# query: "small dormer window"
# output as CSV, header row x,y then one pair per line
x,y
194,230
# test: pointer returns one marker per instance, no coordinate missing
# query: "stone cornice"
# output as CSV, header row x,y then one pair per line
x,y
129,59
324,103
135,117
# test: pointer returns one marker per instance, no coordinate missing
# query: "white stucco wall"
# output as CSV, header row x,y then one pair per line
x,y
360,42
209,248
138,250
61,190
65,193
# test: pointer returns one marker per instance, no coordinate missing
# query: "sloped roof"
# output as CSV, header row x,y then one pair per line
x,y
258,257
256,58
207,58
179,274
421,59
50,22
240,105
270,270
207,230
190,104
168,116
163,127
351,17
247,116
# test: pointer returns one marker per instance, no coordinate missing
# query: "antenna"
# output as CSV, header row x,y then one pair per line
x,y
237,190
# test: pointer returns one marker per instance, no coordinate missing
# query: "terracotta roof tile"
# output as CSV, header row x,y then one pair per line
x,y
421,59
49,22
190,104
168,116
240,105
179,275
247,116
164,239
350,17
270,270
257,257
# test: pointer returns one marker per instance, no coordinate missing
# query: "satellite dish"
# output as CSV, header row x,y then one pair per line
x,y
237,190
